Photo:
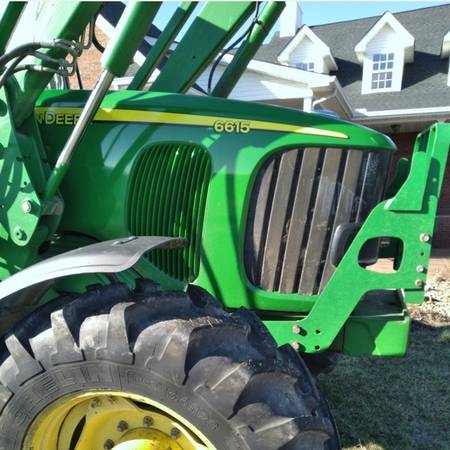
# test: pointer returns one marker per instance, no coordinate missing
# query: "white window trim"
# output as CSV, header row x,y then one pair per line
x,y
445,53
445,49
397,72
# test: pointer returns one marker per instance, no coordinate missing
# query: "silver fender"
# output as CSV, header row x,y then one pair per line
x,y
112,256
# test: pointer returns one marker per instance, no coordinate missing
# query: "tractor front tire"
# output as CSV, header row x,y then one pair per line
x,y
115,369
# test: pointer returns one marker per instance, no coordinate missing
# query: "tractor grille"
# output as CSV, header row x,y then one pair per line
x,y
167,194
299,198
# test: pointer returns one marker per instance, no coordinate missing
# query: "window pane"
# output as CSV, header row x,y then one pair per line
x,y
382,70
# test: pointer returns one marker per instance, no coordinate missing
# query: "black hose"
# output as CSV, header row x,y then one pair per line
x,y
231,47
22,50
77,71
95,41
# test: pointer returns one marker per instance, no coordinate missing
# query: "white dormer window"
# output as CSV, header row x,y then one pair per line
x,y
307,52
383,52
382,71
305,66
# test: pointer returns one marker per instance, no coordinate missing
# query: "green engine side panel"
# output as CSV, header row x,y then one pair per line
x,y
96,188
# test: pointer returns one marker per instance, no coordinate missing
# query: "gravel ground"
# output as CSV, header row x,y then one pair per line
x,y
435,310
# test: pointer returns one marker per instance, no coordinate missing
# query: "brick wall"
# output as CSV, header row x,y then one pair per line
x,y
405,142
89,64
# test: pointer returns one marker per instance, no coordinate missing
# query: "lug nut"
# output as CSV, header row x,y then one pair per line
x,y
296,329
425,237
122,426
174,433
108,445
419,283
148,421
295,346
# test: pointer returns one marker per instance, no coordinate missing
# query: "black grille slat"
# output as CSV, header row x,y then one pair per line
x,y
298,220
299,198
259,214
320,219
277,220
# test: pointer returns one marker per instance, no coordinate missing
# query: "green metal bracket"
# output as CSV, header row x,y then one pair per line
x,y
248,49
401,174
407,199
156,54
209,32
20,205
399,218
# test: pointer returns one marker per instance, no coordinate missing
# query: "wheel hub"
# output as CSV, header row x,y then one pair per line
x,y
146,439
112,421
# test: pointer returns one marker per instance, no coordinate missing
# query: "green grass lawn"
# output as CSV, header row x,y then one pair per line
x,y
395,404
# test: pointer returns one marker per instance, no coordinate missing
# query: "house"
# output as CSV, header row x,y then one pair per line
x,y
390,72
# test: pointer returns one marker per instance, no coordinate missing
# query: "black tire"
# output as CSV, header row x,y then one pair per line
x,y
221,371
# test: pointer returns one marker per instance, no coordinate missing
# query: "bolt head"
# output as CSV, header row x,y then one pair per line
x,y
148,421
20,234
420,268
108,445
122,426
420,283
296,329
425,237
27,206
295,346
175,433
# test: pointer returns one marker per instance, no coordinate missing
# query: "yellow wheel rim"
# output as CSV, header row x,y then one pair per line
x,y
106,420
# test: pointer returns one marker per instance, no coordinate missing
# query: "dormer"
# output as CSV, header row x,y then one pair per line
x,y
307,52
383,52
445,53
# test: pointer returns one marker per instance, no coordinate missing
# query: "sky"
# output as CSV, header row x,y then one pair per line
x,y
316,12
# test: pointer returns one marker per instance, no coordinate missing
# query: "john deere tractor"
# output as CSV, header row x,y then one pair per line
x,y
174,267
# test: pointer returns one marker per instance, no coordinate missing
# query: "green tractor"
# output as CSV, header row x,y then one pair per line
x,y
175,268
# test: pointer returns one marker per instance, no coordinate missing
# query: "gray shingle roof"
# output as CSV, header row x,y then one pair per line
x,y
424,80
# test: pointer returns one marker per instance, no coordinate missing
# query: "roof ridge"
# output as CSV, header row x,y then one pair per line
x,y
379,15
